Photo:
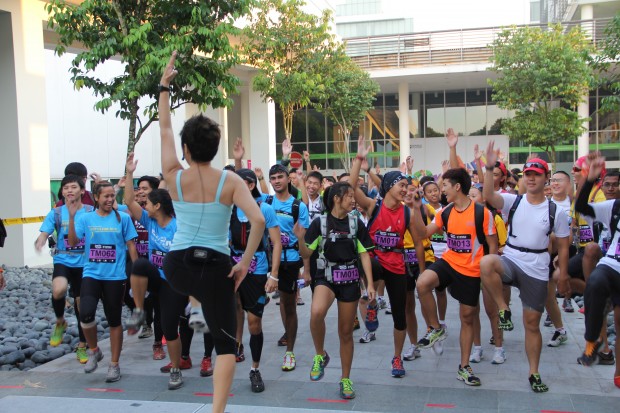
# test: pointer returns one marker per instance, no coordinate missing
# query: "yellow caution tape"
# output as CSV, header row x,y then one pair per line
x,y
20,221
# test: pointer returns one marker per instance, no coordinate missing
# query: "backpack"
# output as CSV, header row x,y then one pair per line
x,y
615,218
240,231
352,235
513,208
479,221
375,214
294,208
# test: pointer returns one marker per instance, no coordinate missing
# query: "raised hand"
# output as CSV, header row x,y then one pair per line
x,y
492,155
409,162
362,148
121,182
238,150
365,165
477,152
596,163
316,168
445,165
403,167
259,173
306,155
170,72
131,164
287,148
452,138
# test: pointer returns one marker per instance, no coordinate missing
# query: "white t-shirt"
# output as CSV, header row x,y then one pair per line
x,y
530,225
565,205
602,212
315,208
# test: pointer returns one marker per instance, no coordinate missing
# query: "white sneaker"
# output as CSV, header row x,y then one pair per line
x,y
289,361
476,355
367,337
381,303
388,309
438,348
557,339
197,321
412,353
499,356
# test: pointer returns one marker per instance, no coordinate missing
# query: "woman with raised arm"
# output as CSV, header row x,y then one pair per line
x,y
198,263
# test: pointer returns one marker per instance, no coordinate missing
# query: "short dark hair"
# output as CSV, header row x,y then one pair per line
x,y
162,197
459,176
201,135
330,179
342,175
316,175
292,171
76,168
611,174
151,180
68,179
563,173
426,179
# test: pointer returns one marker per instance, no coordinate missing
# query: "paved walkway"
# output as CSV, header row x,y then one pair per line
x,y
430,384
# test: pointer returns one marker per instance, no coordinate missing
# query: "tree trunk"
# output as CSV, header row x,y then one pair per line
x,y
287,117
131,141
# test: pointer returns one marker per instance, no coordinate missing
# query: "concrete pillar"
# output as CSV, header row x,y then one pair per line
x,y
259,129
24,157
583,143
403,120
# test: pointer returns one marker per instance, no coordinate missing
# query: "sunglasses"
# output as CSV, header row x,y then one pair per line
x,y
535,165
575,169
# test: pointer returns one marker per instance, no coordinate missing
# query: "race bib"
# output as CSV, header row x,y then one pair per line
x,y
386,239
253,263
410,256
606,245
79,247
142,248
460,243
157,258
345,274
585,234
102,253
285,239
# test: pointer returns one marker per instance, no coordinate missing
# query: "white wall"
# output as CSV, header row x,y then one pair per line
x,y
79,133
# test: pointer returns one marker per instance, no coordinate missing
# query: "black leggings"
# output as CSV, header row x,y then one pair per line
x,y
604,282
207,280
172,304
396,286
111,294
151,303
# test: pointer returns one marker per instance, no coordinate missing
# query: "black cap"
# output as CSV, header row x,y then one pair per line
x,y
248,175
76,168
277,168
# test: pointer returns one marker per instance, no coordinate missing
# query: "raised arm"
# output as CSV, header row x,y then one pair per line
x,y
488,192
169,161
130,197
362,151
374,179
238,152
478,162
307,162
596,163
452,139
261,178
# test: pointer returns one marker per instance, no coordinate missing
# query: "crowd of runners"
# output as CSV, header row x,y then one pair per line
x,y
200,249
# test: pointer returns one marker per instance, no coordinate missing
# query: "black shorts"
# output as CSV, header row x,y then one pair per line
x,y
288,275
252,294
464,289
73,276
413,272
575,266
347,293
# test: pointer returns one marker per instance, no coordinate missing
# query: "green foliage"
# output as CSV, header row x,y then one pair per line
x,y
142,34
287,45
544,75
605,64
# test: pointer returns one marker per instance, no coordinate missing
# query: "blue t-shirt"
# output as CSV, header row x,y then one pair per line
x,y
285,218
260,264
105,244
75,255
160,240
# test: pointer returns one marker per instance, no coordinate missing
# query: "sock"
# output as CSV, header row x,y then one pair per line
x,y
58,306
479,347
196,310
498,348
442,322
256,346
561,330
590,347
253,369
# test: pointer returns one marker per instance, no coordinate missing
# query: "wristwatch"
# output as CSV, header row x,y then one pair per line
x,y
162,88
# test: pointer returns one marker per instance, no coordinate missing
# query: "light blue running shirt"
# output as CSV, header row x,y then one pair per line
x,y
160,240
70,256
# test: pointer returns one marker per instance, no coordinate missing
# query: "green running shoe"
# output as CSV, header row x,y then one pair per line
x,y
81,355
318,367
346,389
57,334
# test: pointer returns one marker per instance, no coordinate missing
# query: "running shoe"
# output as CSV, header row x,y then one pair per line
x,y
398,370
617,381
388,309
606,359
289,362
582,310
81,354
567,306
367,337
537,385
318,366
300,301
158,352
57,334
256,381
346,389
197,321
466,375
381,303
283,341
492,341
431,337
505,321
94,357
184,364
176,379
590,358
276,295
135,321
147,331
548,322
557,339
206,368
476,355
438,348
240,356
499,356
356,323
371,321
412,353
114,373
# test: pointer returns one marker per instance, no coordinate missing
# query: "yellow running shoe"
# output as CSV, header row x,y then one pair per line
x,y
81,355
59,331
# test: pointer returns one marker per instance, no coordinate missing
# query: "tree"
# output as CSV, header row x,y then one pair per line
x,y
544,74
286,45
348,94
143,34
605,64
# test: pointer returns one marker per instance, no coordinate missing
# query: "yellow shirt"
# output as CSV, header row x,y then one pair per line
x,y
429,255
502,234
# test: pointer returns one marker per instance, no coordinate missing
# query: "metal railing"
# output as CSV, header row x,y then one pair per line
x,y
442,47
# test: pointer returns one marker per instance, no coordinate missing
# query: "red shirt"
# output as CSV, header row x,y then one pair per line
x,y
388,231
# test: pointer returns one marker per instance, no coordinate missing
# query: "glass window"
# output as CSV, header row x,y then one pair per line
x,y
316,126
495,116
455,112
434,114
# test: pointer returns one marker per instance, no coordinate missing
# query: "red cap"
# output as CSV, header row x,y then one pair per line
x,y
502,167
536,165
